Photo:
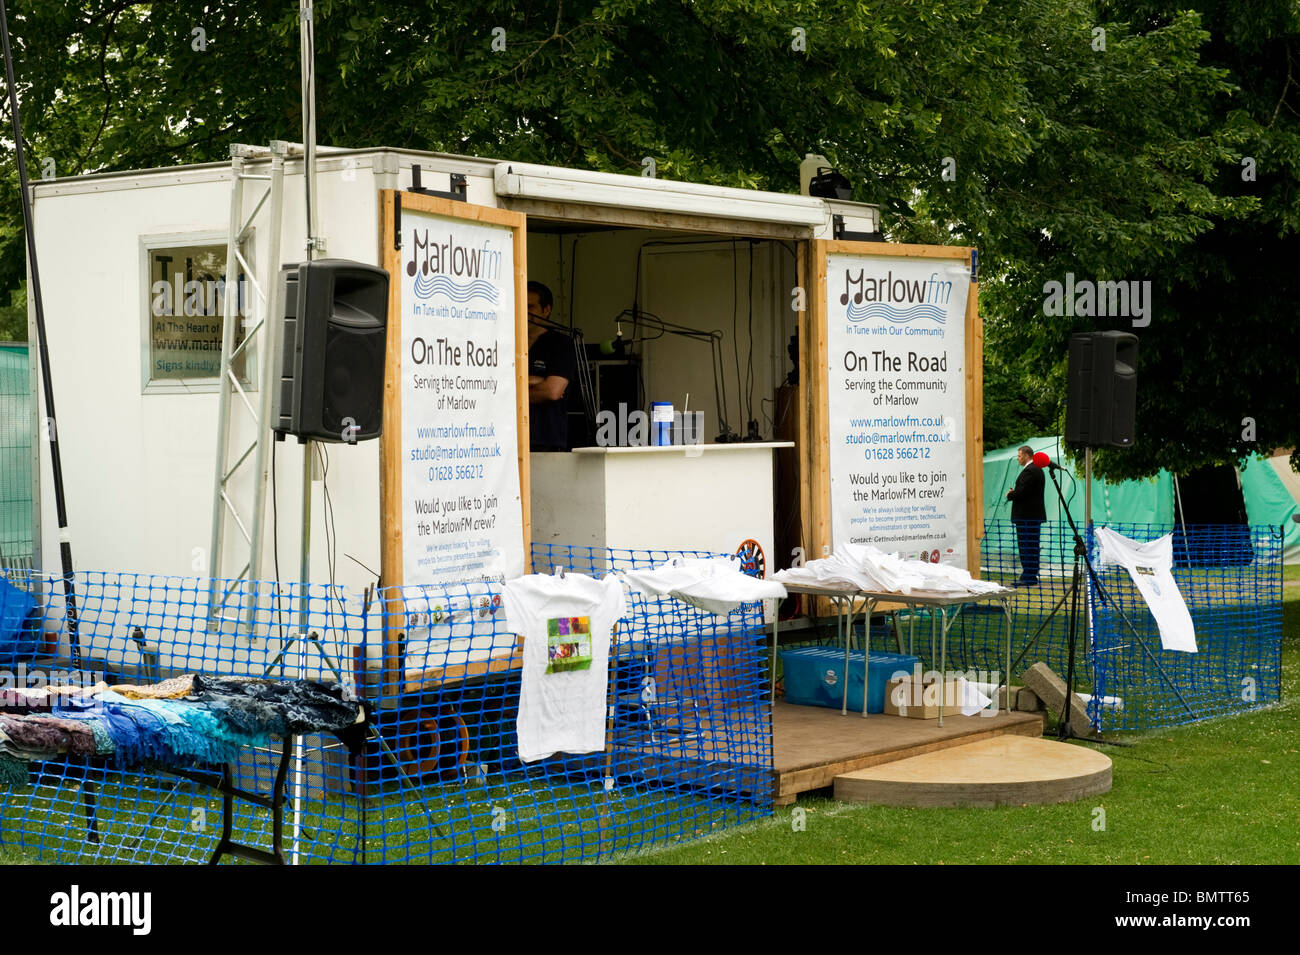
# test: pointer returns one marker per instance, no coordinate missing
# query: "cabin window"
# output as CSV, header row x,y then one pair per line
x,y
185,306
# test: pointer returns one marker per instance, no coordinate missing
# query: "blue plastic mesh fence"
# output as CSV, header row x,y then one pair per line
x,y
1230,577
1041,609
439,778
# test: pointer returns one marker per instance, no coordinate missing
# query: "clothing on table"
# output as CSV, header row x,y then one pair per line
x,y
38,737
280,707
1028,512
189,730
714,584
13,771
221,718
565,622
173,689
139,735
862,567
27,699
1150,565
548,421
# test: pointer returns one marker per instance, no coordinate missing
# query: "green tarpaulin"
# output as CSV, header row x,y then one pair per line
x,y
1271,489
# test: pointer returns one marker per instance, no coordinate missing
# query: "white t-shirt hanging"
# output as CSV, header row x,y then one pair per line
x,y
1150,565
565,623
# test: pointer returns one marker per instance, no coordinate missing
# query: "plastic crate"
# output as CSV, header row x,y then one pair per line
x,y
814,676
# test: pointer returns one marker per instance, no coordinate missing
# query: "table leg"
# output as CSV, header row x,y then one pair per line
x,y
932,640
1011,629
943,657
839,630
866,654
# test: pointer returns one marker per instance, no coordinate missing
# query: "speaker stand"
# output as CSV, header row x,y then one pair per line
x,y
1084,573
304,540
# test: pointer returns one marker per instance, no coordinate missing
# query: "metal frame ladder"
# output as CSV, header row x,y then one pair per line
x,y
233,458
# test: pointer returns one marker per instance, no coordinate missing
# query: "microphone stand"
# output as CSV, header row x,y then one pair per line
x,y
714,339
586,389
1081,561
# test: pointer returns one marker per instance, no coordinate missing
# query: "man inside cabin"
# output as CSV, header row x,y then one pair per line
x,y
551,366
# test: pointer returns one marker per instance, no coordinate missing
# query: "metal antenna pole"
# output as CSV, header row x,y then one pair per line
x,y
42,344
309,179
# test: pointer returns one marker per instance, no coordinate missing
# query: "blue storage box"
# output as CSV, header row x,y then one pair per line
x,y
20,626
814,676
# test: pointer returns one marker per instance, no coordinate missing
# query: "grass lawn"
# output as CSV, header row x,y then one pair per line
x,y
1218,792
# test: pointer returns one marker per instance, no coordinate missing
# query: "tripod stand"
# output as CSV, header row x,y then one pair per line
x,y
1081,562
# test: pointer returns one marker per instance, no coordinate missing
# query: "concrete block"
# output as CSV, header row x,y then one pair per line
x,y
1050,688
1022,700
1027,701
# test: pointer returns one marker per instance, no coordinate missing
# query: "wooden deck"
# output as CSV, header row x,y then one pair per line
x,y
812,745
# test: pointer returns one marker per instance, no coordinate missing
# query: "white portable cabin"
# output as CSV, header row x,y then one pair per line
x,y
138,440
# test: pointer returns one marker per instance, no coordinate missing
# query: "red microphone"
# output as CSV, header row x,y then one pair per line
x,y
1041,460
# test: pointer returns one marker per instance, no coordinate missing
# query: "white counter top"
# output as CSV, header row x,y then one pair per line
x,y
693,448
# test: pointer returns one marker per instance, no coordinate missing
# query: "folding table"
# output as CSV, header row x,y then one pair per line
x,y
844,599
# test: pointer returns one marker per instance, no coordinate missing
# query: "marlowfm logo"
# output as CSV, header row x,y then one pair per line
x,y
894,299
74,908
433,270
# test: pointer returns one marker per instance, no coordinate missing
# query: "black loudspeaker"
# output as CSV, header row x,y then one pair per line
x,y
332,351
1102,405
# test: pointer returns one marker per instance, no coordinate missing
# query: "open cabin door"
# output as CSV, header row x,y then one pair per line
x,y
454,456
891,409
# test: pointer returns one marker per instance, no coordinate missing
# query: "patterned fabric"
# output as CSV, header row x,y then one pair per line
x,y
217,719
278,706
13,772
41,737
173,689
26,699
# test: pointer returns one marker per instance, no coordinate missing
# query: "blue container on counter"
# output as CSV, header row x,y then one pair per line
x,y
661,423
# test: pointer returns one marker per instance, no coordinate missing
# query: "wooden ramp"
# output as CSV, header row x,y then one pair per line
x,y
812,745
1002,771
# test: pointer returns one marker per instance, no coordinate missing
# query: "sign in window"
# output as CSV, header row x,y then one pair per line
x,y
187,302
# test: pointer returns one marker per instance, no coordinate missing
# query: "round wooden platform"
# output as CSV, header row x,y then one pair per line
x,y
1002,771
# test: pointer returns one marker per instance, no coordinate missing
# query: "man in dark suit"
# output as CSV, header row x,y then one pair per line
x,y
1027,514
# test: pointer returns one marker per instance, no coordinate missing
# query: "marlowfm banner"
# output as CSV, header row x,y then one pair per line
x,y
896,331
461,514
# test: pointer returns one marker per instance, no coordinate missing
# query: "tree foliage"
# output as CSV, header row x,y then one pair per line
x,y
1111,160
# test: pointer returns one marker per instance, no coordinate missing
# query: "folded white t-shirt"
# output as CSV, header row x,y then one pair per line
x,y
713,584
867,568
565,623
